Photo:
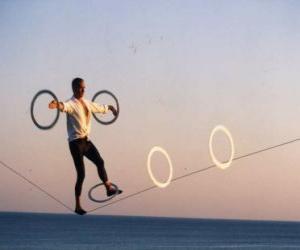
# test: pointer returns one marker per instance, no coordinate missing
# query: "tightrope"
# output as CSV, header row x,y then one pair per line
x,y
196,172
146,189
35,185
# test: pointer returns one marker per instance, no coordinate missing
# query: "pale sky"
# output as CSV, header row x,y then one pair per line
x,y
178,68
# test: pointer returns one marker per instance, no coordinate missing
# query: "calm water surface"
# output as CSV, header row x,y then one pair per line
x,y
60,231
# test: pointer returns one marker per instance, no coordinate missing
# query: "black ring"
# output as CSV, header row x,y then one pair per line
x,y
104,200
116,100
45,91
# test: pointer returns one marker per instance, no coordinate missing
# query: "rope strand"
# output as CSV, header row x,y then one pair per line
x,y
146,189
35,185
198,171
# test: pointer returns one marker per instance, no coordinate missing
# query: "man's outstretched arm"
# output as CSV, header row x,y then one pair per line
x,y
56,105
103,109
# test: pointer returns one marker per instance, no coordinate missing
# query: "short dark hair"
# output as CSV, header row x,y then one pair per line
x,y
76,82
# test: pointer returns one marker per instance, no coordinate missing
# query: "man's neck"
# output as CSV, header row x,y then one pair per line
x,y
78,98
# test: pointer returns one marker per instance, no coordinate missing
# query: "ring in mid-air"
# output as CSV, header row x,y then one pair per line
x,y
155,181
222,165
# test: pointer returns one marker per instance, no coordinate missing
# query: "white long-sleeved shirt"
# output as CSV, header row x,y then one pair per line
x,y
78,123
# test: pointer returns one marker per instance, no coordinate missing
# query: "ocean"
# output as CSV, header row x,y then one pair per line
x,y
67,231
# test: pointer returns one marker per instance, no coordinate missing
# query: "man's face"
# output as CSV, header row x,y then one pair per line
x,y
79,91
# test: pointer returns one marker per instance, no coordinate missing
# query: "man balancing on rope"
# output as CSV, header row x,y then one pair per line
x,y
78,112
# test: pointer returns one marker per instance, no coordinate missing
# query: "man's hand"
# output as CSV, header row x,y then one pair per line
x,y
53,105
113,110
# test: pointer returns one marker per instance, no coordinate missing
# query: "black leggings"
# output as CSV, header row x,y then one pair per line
x,y
84,147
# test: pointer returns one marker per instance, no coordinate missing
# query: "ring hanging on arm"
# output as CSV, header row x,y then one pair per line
x,y
117,103
45,91
104,200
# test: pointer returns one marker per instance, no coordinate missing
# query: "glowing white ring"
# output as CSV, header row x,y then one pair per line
x,y
222,165
156,182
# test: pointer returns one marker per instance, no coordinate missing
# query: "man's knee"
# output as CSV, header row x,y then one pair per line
x,y
100,162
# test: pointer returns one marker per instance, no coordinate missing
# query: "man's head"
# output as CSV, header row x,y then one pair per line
x,y
78,87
